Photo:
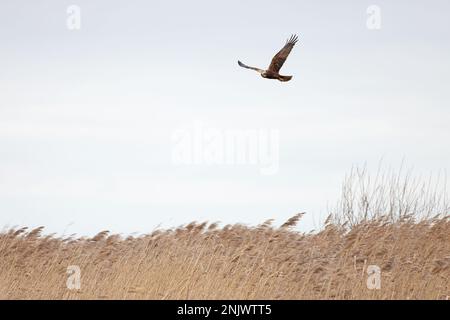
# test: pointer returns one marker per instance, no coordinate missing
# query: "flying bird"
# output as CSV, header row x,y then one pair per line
x,y
277,62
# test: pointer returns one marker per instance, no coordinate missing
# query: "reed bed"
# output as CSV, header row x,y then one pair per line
x,y
209,261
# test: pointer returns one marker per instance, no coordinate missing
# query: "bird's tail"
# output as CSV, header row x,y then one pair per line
x,y
284,78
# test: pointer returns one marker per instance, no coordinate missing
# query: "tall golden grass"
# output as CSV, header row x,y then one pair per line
x,y
378,222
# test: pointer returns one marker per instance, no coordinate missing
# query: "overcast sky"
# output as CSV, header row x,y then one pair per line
x,y
88,116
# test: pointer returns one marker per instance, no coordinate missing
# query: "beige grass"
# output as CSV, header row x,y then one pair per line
x,y
203,261
235,262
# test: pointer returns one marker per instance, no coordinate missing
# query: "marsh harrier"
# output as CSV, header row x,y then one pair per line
x,y
277,62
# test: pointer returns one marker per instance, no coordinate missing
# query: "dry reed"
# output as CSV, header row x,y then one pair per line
x,y
203,261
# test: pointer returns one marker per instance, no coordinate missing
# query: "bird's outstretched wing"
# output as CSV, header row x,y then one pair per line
x,y
279,59
248,67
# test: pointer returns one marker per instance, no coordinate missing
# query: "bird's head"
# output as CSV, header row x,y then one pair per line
x,y
264,74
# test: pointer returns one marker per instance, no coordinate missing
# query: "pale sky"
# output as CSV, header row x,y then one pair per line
x,y
87,116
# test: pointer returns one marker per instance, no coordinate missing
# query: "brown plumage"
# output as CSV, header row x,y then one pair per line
x,y
277,62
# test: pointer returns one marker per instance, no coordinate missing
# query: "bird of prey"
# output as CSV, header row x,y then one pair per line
x,y
277,62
